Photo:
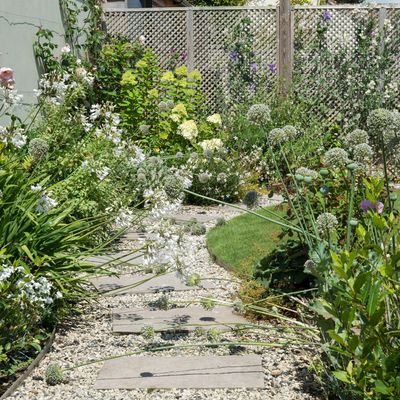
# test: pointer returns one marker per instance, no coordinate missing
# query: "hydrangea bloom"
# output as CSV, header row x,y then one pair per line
x,y
336,158
326,222
188,129
215,119
356,137
211,145
259,114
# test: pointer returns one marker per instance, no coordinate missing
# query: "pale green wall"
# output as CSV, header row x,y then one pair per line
x,y
19,22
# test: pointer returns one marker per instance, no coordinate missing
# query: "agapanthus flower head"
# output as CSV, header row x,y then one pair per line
x,y
38,148
336,158
215,119
363,153
307,172
356,137
277,136
18,139
45,204
326,222
259,114
188,130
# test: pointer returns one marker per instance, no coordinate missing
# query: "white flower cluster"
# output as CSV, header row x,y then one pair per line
x,y
188,130
211,145
14,136
45,203
29,290
326,223
215,119
336,158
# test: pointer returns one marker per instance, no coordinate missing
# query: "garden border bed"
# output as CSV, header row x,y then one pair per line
x,y
16,384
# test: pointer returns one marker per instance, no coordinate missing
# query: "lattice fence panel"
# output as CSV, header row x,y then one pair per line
x,y
212,29
342,24
202,35
164,31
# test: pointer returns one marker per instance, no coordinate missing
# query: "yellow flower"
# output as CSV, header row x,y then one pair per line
x,y
141,64
180,109
182,70
153,93
168,77
195,75
128,78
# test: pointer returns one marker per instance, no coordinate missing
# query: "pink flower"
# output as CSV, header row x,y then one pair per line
x,y
6,73
142,39
379,207
6,77
66,49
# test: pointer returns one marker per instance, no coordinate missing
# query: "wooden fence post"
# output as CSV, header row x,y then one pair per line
x,y
285,46
189,40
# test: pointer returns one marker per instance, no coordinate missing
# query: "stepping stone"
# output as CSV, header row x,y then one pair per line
x,y
146,283
177,319
201,218
196,372
123,257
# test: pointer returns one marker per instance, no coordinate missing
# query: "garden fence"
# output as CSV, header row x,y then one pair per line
x,y
200,34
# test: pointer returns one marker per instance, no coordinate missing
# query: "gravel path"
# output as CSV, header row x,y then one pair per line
x,y
88,337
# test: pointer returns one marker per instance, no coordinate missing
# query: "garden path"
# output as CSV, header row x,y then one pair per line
x,y
89,336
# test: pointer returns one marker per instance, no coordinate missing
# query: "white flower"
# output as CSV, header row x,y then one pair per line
x,y
18,140
66,49
188,129
36,188
211,145
102,173
142,39
95,111
215,119
45,204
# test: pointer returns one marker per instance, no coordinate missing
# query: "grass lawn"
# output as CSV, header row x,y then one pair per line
x,y
246,239
243,241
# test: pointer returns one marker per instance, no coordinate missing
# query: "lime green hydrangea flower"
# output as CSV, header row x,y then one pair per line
x,y
168,77
180,109
181,70
153,93
195,75
128,78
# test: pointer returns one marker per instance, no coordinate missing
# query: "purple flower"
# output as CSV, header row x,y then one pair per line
x,y
183,56
379,207
272,68
327,16
253,67
233,55
366,205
